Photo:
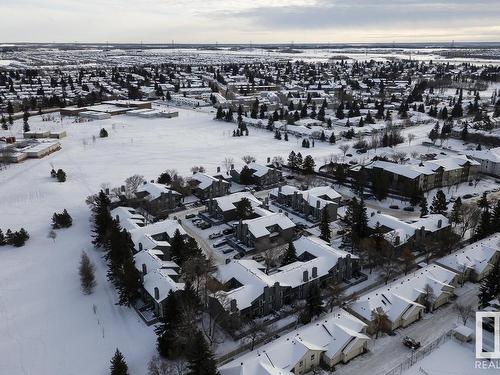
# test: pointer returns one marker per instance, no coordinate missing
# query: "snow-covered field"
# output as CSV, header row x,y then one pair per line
x,y
47,326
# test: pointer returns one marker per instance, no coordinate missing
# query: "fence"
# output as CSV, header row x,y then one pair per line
x,y
420,354
225,358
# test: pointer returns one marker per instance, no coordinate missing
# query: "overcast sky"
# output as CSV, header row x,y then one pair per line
x,y
244,21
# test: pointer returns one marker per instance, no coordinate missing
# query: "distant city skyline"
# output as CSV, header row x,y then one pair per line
x,y
245,21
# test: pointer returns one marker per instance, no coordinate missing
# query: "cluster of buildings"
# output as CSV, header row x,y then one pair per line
x,y
421,176
248,289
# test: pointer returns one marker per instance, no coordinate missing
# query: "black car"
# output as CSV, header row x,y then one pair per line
x,y
228,231
411,343
409,209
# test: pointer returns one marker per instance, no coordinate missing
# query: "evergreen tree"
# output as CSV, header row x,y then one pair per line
x,y
314,302
103,133
456,211
380,185
118,364
87,274
483,202
424,210
129,282
484,228
61,175
244,209
292,160
167,329
308,165
62,220
200,358
290,255
324,226
490,287
439,205
332,139
102,219
299,160
3,242
177,247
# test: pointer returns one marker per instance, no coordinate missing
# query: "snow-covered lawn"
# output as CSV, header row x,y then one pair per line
x,y
452,357
46,325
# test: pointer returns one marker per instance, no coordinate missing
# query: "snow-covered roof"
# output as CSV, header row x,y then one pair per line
x,y
205,180
492,154
406,230
475,257
322,194
259,170
154,190
128,217
227,202
145,235
160,274
329,336
252,277
259,226
395,298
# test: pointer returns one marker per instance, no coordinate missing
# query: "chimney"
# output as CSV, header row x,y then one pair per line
x,y
122,188
268,160
233,305
305,276
144,269
218,169
106,191
232,166
279,188
315,272
157,294
440,223
317,205
397,240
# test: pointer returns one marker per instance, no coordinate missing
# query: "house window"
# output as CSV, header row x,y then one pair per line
x,y
312,357
301,363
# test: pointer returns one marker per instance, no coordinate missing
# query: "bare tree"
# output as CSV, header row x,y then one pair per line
x,y
344,148
248,159
399,157
271,257
198,168
160,366
411,137
334,294
428,298
52,235
470,218
132,183
257,330
278,161
464,311
414,154
380,322
228,163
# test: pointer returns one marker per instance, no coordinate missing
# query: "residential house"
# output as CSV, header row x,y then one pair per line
x,y
159,277
309,203
489,159
247,288
404,300
206,186
473,262
144,235
224,208
398,232
265,232
158,197
337,338
408,178
261,175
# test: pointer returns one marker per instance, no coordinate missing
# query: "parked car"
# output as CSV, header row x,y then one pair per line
x,y
289,177
228,250
219,243
205,225
411,343
361,151
467,196
190,216
213,236
394,206
228,231
409,208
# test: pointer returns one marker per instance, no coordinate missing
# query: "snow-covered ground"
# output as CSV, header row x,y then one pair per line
x,y
47,326
452,357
